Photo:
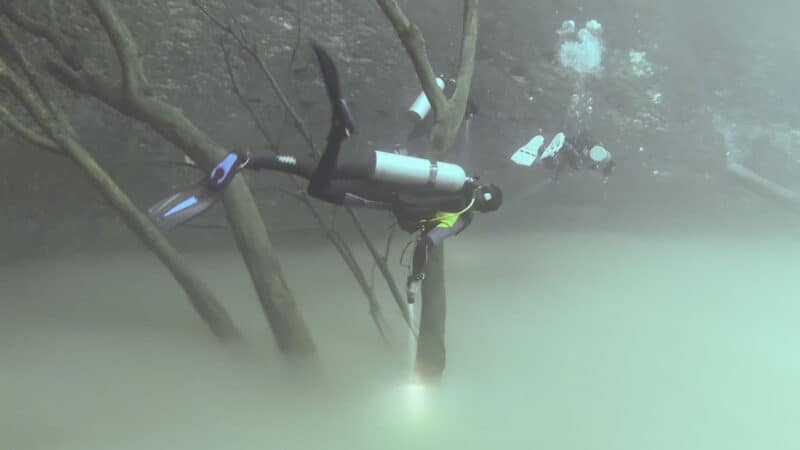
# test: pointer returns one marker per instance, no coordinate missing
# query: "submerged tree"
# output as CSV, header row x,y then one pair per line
x,y
449,117
64,61
132,95
53,132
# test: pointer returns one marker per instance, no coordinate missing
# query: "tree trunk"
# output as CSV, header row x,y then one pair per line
x,y
134,98
286,322
449,117
200,295
764,187
431,352
252,238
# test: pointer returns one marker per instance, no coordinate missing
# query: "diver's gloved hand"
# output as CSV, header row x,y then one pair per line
x,y
222,174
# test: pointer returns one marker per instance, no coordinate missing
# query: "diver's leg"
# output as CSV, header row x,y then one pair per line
x,y
326,168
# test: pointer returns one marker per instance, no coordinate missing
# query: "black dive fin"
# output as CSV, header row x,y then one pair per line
x,y
342,116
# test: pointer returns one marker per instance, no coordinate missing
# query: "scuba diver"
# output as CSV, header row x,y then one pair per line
x,y
436,199
578,152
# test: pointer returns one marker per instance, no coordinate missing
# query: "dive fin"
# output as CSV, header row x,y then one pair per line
x,y
526,155
183,206
342,115
554,147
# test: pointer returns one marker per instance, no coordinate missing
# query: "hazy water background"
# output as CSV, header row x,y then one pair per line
x,y
567,339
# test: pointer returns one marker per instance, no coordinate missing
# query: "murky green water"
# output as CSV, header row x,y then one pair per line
x,y
599,342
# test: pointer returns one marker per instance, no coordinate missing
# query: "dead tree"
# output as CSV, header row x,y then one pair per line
x,y
52,132
236,32
133,96
748,178
449,116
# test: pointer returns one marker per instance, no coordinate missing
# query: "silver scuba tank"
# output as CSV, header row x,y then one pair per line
x,y
411,171
599,155
422,106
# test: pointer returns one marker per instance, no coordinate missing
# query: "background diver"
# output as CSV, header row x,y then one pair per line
x,y
578,152
436,199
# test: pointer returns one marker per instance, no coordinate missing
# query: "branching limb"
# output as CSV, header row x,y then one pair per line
x,y
414,43
240,37
30,25
238,92
47,31
133,78
34,137
60,134
449,113
383,266
467,65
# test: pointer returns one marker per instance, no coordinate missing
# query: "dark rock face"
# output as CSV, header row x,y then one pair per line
x,y
667,69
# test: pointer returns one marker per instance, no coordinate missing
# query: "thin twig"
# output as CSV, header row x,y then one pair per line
x,y
236,90
289,72
253,50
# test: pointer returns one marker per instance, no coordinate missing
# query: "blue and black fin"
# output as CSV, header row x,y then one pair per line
x,y
183,206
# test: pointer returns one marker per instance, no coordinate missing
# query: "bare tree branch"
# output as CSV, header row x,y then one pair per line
x,y
32,26
252,49
133,78
61,135
383,265
252,239
449,113
467,66
289,71
50,32
414,43
36,138
237,90
27,68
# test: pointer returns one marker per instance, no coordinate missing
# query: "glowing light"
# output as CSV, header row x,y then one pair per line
x,y
415,396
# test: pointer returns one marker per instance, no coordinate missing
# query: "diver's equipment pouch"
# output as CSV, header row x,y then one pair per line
x,y
411,171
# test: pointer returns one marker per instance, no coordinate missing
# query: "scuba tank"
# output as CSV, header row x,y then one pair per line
x,y
422,106
599,155
408,170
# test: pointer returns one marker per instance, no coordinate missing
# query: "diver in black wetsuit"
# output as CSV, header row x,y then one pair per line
x,y
436,215
435,198
579,152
